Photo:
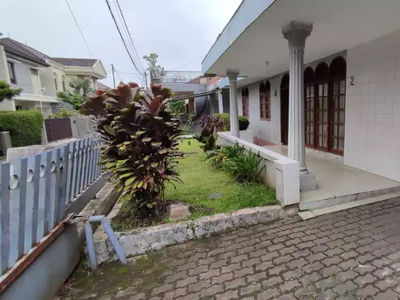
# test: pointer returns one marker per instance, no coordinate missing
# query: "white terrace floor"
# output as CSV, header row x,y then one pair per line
x,y
337,183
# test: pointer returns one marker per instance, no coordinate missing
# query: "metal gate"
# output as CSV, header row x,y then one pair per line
x,y
58,129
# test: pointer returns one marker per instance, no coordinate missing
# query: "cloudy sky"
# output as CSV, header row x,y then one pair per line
x,y
180,31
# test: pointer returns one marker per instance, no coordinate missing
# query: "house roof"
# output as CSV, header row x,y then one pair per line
x,y
102,86
75,62
24,51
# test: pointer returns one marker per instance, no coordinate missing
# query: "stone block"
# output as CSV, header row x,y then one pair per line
x,y
209,225
153,238
268,213
178,212
245,217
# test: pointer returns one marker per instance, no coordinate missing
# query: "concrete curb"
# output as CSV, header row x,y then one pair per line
x,y
142,240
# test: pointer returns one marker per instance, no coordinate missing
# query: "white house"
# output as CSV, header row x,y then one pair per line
x,y
41,76
321,81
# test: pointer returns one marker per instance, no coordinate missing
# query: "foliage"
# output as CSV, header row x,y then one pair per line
x,y
156,71
140,142
243,121
208,135
202,180
81,87
6,92
25,126
81,92
187,126
63,114
245,166
74,99
176,107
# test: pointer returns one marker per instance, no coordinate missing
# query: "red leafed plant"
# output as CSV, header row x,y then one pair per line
x,y
140,142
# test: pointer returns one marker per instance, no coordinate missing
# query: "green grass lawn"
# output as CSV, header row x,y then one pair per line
x,y
200,180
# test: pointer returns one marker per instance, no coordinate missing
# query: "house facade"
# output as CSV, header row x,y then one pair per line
x,y
327,83
41,77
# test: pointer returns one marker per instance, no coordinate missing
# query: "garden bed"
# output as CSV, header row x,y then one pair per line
x,y
205,189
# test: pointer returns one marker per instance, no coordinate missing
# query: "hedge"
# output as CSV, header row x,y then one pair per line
x,y
243,121
25,126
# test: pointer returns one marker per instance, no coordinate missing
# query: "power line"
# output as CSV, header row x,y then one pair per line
x,y
188,63
129,34
126,33
76,22
120,34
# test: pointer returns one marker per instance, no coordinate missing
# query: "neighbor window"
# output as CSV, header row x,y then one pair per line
x,y
245,102
11,70
55,81
34,72
63,83
265,101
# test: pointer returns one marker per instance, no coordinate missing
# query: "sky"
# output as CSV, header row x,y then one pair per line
x,y
180,31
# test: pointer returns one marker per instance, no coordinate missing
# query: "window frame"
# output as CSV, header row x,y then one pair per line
x,y
245,102
55,81
11,70
265,101
34,72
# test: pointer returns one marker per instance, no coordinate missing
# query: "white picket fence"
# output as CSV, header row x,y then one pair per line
x,y
36,190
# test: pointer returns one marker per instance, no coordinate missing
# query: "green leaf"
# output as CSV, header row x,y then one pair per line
x,y
126,175
156,144
154,164
163,151
146,158
146,140
110,130
130,180
140,132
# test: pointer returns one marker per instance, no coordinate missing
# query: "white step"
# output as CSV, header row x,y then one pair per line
x,y
305,215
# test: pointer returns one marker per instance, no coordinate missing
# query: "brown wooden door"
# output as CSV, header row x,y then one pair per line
x,y
322,109
58,129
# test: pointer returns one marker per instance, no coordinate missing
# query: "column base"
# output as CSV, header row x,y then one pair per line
x,y
308,182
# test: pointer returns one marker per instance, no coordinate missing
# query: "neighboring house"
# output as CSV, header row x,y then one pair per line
x,y
41,76
188,83
101,86
317,75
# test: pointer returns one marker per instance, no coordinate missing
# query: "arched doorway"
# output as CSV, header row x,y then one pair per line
x,y
309,105
337,106
284,109
322,106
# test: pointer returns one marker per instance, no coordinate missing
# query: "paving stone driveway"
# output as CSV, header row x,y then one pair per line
x,y
354,254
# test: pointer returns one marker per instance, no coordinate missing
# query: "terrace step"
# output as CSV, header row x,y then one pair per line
x,y
305,215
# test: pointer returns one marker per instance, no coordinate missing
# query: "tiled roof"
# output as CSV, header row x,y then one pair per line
x,y
75,62
23,51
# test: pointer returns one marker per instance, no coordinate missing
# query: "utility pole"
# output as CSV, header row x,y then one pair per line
x,y
112,69
145,78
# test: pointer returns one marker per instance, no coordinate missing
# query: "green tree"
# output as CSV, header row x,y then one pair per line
x,y
156,71
176,107
81,92
6,92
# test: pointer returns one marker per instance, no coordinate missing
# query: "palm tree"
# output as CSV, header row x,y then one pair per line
x,y
81,87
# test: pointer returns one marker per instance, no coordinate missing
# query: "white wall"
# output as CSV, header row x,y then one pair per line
x,y
23,77
36,82
266,130
372,137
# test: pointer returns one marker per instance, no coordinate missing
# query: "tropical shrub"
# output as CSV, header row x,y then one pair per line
x,y
140,142
244,165
25,126
63,114
243,121
208,135
6,92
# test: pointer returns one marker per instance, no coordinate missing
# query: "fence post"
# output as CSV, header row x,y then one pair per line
x,y
5,216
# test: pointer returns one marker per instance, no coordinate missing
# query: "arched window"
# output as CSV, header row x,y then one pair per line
x,y
309,105
55,81
63,83
245,102
322,105
265,101
338,103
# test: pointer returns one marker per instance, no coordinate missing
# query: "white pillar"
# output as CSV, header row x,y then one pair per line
x,y
220,102
234,116
296,34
